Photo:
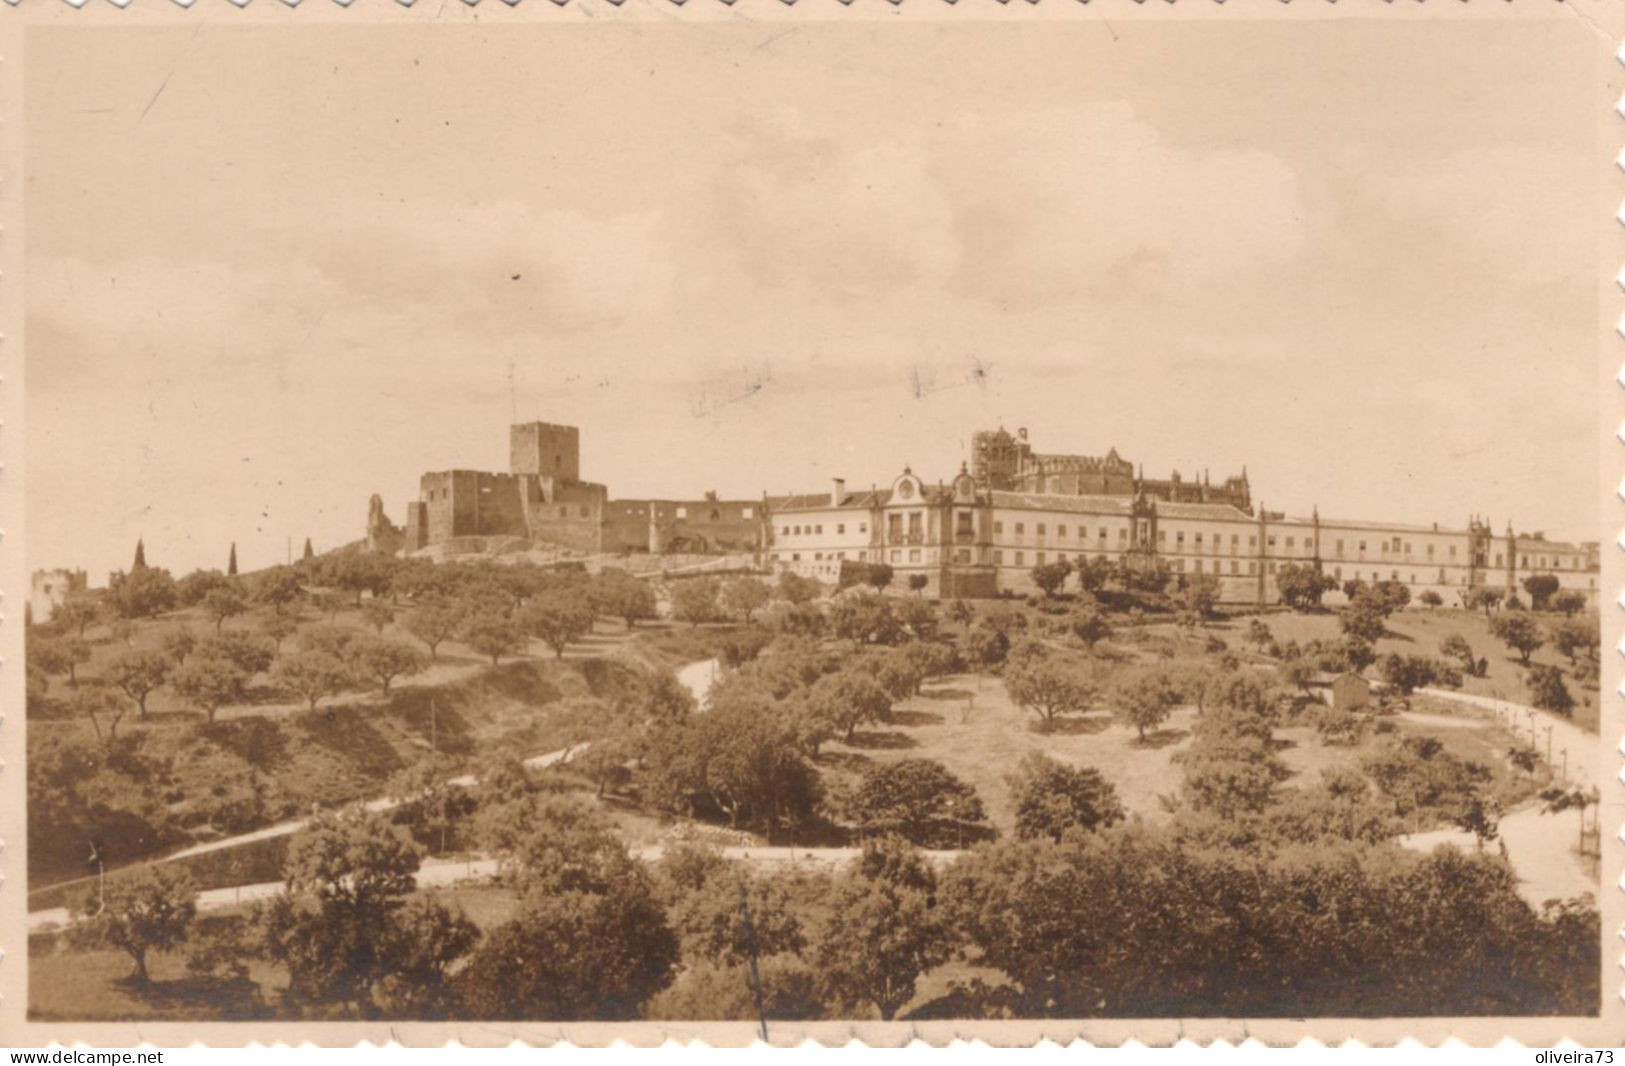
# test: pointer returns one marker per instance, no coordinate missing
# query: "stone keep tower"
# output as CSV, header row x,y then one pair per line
x,y
544,450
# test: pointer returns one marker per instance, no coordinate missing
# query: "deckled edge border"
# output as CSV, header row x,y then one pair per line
x,y
12,505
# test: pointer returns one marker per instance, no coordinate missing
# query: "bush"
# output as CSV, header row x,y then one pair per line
x,y
918,799
1569,602
1052,798
1407,673
1338,726
696,600
1547,690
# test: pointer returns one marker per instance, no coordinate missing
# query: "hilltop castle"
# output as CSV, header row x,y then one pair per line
x,y
543,497
1008,510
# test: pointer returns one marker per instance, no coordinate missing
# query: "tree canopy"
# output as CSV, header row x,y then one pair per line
x,y
920,800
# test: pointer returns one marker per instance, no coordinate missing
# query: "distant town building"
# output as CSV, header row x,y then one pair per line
x,y
49,588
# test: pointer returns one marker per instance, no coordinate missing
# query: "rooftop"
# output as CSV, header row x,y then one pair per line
x,y
1116,505
823,501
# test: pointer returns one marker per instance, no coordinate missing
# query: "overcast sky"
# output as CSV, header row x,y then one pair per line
x,y
272,273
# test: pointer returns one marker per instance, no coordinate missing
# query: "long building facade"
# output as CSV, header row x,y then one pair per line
x,y
971,537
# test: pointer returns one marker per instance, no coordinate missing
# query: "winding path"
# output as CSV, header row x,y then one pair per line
x,y
1573,750
437,873
1543,848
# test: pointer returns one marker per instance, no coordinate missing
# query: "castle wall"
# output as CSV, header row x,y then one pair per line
x,y
705,525
472,503
568,514
700,526
417,526
626,527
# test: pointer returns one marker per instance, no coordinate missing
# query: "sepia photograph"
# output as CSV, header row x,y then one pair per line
x,y
771,521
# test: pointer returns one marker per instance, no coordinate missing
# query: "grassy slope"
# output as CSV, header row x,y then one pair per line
x,y
1418,631
985,744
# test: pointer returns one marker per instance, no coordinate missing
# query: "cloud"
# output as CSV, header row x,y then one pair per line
x,y
559,270
438,292
1514,206
1055,204
1022,210
851,224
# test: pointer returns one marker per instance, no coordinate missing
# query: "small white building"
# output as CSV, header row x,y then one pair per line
x,y
49,588
1346,691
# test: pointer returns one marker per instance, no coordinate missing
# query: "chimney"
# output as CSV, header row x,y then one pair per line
x,y
1021,433
839,492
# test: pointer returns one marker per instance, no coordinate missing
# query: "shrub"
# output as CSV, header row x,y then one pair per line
x,y
1547,690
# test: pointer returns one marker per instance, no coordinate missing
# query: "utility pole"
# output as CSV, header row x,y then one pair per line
x,y
755,969
101,877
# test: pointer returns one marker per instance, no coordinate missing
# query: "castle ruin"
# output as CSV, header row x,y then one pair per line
x,y
543,497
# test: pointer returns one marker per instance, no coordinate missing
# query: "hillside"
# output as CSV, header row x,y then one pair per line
x,y
172,779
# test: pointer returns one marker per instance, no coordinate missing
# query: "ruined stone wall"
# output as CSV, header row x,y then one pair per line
x,y
568,514
382,534
626,526
705,526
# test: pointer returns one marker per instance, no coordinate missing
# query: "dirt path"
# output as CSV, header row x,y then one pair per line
x,y
698,677
1542,849
1574,752
1444,721
438,873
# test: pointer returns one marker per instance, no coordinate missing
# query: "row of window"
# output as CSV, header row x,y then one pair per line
x,y
1208,541
795,557
817,529
1556,563
1060,531
1019,559
716,513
